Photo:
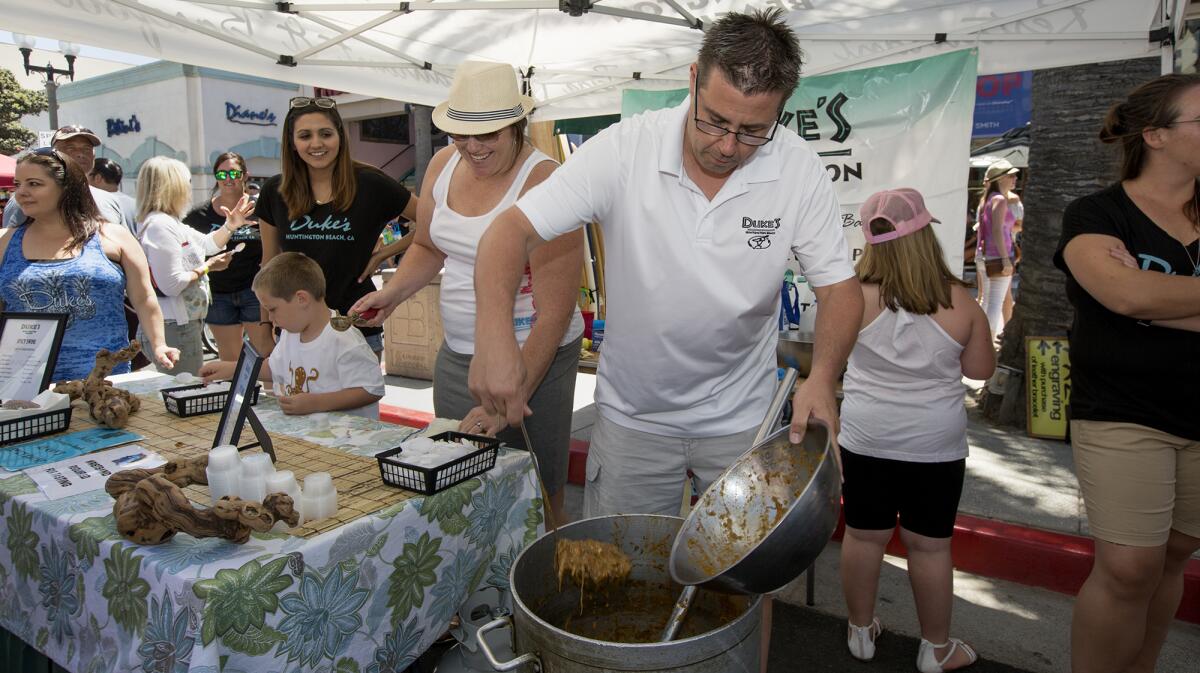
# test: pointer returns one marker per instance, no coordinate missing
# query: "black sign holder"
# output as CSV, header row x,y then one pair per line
x,y
237,412
57,326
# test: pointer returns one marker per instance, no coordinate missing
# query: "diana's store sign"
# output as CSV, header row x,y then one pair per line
x,y
238,115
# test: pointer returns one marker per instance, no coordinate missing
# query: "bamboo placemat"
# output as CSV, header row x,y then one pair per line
x,y
360,489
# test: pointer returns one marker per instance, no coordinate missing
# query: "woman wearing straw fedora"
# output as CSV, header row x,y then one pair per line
x,y
328,206
488,166
1000,211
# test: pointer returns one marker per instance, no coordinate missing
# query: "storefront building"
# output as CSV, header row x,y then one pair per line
x,y
192,114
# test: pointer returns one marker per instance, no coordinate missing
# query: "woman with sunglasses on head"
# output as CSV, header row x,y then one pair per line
x,y
177,254
234,309
487,168
1135,355
65,259
328,206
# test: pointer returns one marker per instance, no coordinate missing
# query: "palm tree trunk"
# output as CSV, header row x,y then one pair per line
x,y
1066,161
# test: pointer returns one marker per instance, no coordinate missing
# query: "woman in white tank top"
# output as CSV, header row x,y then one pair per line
x,y
488,166
903,440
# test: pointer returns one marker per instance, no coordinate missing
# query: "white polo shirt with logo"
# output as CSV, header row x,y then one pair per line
x,y
692,286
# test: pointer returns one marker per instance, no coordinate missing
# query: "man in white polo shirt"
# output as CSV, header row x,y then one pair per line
x,y
702,206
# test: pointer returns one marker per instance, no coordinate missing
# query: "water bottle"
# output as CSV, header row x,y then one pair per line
x,y
597,333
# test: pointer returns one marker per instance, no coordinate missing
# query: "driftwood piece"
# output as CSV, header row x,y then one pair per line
x,y
151,507
109,406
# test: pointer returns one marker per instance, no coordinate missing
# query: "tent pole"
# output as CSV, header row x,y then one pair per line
x,y
693,21
626,75
642,16
316,18
346,35
1170,16
423,5
609,85
1020,16
199,28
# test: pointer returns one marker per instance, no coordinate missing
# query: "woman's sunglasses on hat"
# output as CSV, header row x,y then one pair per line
x,y
231,174
309,101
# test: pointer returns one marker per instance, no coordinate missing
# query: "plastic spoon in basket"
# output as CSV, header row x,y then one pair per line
x,y
342,323
582,560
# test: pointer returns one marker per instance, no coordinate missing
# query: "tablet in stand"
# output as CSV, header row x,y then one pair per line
x,y
237,412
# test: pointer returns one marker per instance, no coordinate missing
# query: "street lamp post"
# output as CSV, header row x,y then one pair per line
x,y
69,49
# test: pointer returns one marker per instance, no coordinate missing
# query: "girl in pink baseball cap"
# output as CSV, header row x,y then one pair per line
x,y
904,423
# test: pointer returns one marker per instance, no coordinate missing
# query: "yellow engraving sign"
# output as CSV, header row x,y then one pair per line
x,y
1048,392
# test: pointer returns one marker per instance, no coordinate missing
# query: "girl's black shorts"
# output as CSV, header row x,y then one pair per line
x,y
923,495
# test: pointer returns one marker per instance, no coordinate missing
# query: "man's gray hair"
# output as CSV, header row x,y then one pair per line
x,y
757,52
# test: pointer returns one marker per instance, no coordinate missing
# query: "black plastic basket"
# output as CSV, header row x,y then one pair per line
x,y
197,405
34,426
430,480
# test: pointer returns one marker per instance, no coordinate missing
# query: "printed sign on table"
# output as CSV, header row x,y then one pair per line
x,y
88,473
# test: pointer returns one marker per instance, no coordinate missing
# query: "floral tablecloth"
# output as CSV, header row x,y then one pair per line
x,y
368,597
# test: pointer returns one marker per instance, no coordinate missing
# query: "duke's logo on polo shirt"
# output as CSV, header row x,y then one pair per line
x,y
760,231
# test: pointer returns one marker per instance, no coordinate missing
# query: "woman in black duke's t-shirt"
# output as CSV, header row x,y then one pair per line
x,y
328,206
1131,253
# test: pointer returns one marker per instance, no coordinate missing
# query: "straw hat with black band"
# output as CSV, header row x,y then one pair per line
x,y
999,169
484,97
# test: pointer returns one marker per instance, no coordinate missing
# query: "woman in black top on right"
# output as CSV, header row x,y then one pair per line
x,y
1131,253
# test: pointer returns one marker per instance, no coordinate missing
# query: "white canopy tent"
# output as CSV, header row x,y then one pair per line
x,y
576,65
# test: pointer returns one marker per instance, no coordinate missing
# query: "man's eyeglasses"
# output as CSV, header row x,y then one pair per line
x,y
309,101
231,174
1184,121
712,129
479,137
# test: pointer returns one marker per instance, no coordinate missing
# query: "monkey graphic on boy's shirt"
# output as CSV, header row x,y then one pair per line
x,y
301,379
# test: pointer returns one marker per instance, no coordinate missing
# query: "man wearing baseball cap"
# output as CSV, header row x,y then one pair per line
x,y
79,144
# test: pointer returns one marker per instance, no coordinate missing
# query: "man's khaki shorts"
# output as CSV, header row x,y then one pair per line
x,y
1138,483
633,472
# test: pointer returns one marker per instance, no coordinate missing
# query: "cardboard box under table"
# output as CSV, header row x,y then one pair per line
x,y
412,334
392,565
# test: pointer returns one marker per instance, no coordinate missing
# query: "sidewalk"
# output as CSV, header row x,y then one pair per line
x,y
1020,503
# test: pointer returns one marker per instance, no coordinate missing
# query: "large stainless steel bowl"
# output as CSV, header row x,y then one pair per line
x,y
795,349
763,521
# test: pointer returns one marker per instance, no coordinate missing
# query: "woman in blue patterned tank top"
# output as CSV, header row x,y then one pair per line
x,y
65,259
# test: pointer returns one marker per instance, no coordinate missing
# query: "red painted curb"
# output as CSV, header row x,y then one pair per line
x,y
1034,557
402,416
1029,556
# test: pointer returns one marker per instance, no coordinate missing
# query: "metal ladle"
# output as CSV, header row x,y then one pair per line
x,y
545,495
342,323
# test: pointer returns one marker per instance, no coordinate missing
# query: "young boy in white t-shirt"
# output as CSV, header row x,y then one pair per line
x,y
313,367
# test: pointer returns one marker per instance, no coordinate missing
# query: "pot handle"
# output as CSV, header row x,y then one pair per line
x,y
527,658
